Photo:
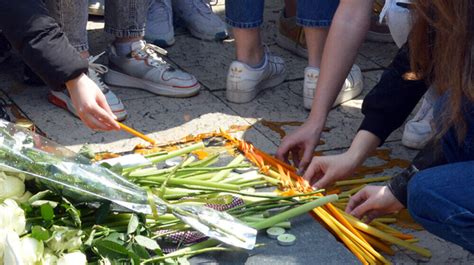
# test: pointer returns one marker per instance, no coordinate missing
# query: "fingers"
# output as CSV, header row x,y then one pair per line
x,y
97,118
356,200
306,159
313,171
109,116
282,152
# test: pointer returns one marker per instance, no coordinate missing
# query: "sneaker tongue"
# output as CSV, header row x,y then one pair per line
x,y
138,45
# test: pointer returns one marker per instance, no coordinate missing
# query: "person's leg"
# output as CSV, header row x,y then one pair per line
x,y
245,18
315,17
72,15
133,62
441,200
254,70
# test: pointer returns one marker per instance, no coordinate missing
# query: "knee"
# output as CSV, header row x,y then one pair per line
x,y
420,197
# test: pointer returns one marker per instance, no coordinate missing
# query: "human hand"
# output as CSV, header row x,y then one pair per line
x,y
300,144
325,170
373,201
91,105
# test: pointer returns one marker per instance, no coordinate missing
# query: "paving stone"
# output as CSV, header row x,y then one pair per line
x,y
284,104
313,244
380,53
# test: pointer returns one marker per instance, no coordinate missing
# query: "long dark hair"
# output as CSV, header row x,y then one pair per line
x,y
441,50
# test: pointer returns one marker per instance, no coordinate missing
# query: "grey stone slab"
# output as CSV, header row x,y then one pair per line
x,y
284,104
314,245
380,53
443,252
163,118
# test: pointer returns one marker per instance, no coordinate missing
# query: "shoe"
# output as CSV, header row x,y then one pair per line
x,y
378,32
96,7
418,131
245,82
63,100
5,48
3,110
144,69
352,86
159,24
31,78
290,36
200,20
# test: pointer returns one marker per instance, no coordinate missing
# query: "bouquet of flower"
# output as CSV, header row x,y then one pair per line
x,y
73,176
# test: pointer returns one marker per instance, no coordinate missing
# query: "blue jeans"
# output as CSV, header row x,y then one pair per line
x,y
441,199
123,18
310,13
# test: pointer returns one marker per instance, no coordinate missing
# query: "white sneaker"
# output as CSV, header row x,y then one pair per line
x,y
144,69
63,100
200,19
96,7
352,86
245,82
159,23
418,131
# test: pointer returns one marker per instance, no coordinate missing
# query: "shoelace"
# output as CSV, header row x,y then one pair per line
x,y
153,52
96,69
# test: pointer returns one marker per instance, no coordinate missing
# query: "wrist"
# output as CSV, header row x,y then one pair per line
x,y
73,83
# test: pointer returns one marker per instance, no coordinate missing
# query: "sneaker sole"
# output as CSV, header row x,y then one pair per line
x,y
413,144
64,104
202,36
341,98
115,78
234,95
290,45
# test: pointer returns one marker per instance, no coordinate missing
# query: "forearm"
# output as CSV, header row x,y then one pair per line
x,y
362,146
347,32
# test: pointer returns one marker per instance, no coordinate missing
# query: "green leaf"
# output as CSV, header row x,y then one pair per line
x,y
72,211
41,202
140,251
118,238
47,212
183,261
39,233
111,249
133,224
147,242
40,195
90,238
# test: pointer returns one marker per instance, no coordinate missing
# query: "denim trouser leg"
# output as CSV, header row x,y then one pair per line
x,y
316,13
441,199
244,13
310,13
126,18
72,16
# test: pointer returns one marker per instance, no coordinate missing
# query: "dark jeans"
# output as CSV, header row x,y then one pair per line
x,y
441,198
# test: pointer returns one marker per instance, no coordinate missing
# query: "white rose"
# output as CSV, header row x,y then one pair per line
x,y
31,250
11,186
49,258
65,239
74,258
12,217
3,237
12,251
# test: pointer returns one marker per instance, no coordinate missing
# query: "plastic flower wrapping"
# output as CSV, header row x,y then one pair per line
x,y
75,177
